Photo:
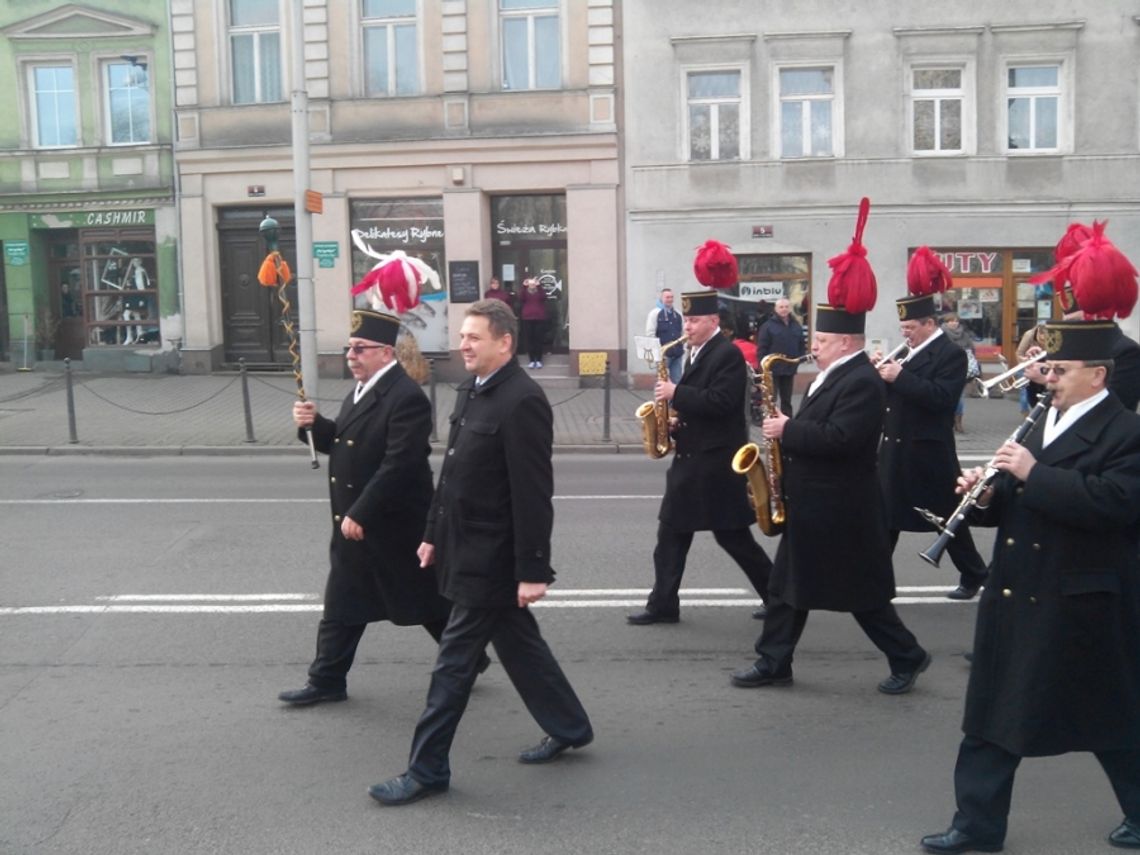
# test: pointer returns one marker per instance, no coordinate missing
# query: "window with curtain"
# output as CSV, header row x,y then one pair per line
x,y
807,101
391,55
938,104
127,101
531,44
255,51
53,105
716,114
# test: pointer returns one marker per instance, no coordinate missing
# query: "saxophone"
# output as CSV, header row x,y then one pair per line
x,y
761,465
654,415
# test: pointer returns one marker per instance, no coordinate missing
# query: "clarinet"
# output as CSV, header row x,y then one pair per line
x,y
947,528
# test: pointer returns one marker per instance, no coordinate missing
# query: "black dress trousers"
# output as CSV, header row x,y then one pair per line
x,y
336,649
529,664
669,564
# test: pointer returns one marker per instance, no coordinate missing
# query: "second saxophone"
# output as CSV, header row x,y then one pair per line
x,y
761,465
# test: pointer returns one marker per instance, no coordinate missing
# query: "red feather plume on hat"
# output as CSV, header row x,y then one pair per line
x,y
396,281
926,274
1102,278
715,266
852,284
1072,240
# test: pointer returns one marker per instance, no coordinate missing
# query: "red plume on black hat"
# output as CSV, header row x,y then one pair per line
x,y
926,274
852,284
715,266
1101,277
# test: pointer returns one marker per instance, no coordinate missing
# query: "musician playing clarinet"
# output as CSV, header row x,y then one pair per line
x,y
1057,646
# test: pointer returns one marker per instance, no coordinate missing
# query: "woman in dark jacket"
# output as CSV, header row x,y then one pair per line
x,y
532,312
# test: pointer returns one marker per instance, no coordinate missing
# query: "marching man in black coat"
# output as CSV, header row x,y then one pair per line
x,y
488,538
1057,646
918,460
379,491
835,553
702,493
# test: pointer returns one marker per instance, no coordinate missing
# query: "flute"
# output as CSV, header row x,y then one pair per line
x,y
947,528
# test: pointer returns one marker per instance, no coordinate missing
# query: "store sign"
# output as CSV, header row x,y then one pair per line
x,y
326,252
770,291
533,230
16,252
971,262
93,219
403,234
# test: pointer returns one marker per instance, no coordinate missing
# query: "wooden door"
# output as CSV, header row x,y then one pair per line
x,y
251,313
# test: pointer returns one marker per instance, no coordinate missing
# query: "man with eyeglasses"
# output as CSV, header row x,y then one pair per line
x,y
379,490
1056,664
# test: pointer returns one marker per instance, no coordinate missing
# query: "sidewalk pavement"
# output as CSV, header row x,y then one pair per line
x,y
168,414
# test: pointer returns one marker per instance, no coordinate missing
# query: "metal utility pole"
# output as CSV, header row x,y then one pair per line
x,y
306,298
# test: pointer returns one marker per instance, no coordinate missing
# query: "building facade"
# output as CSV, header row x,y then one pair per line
x,y
87,215
981,131
478,135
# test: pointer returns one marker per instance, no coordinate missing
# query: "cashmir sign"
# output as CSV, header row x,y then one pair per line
x,y
94,219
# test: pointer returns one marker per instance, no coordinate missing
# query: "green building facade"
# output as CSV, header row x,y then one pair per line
x,y
88,223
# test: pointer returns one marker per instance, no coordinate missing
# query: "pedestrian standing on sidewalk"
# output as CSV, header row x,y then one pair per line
x,y
782,334
961,336
532,311
664,324
379,492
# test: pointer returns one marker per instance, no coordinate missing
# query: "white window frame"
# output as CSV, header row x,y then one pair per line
x,y
257,31
105,92
836,98
742,101
966,93
1063,92
390,23
531,14
33,107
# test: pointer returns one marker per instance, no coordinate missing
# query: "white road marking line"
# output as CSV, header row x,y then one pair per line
x,y
272,501
602,598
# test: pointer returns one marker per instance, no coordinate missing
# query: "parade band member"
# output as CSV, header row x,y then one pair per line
x,y
379,492
918,461
488,536
702,493
1057,646
835,553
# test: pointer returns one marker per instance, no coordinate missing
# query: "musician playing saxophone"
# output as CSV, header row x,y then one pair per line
x,y
702,493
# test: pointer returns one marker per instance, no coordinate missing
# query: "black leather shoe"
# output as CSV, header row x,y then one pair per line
x,y
646,617
1126,836
900,684
550,748
760,613
403,790
311,694
957,841
964,592
759,674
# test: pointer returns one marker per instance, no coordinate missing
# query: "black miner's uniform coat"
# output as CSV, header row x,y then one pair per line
x,y
918,462
492,516
835,553
379,476
702,493
1057,645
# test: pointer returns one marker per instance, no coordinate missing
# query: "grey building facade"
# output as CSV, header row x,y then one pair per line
x,y
981,131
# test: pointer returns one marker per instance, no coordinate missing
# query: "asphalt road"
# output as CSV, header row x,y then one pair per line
x,y
150,611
